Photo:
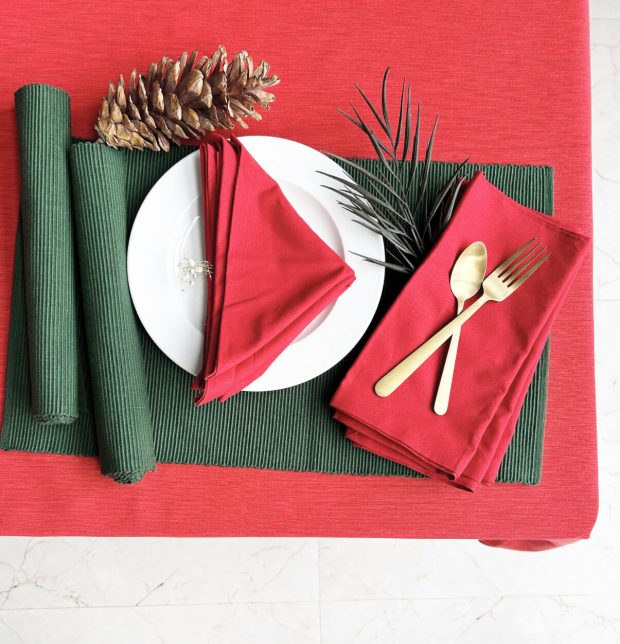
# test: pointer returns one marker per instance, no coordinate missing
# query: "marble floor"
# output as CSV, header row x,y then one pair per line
x,y
298,591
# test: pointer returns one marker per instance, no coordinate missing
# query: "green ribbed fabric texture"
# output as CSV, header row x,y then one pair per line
x,y
119,392
291,429
43,120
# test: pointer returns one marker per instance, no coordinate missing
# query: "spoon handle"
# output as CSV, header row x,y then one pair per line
x,y
445,384
394,378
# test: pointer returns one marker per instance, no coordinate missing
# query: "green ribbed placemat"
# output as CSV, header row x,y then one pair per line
x,y
119,393
52,316
291,429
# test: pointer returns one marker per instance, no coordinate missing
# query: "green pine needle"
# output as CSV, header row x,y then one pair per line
x,y
409,226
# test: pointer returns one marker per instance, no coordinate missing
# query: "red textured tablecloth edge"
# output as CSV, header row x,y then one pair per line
x,y
516,93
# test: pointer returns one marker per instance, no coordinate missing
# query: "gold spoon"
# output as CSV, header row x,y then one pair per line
x,y
465,281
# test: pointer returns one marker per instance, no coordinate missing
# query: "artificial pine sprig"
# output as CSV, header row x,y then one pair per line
x,y
408,224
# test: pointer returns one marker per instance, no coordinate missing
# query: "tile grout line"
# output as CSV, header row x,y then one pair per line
x,y
310,602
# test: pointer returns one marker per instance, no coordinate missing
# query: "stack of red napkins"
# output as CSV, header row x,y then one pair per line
x,y
272,274
498,350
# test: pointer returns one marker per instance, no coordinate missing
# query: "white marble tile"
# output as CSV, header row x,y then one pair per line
x,y
268,623
42,573
604,9
607,318
605,60
605,48
509,620
397,569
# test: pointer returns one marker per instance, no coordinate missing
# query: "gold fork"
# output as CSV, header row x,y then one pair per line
x,y
497,286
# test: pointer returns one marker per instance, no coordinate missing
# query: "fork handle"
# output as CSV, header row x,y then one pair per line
x,y
396,376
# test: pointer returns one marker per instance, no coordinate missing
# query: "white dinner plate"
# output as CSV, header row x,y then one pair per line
x,y
168,229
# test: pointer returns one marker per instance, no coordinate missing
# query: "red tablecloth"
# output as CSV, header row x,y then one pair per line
x,y
511,81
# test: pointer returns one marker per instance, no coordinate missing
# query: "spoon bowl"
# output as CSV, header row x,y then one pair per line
x,y
468,271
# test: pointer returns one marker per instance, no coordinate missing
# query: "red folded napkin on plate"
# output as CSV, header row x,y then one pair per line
x,y
272,274
498,351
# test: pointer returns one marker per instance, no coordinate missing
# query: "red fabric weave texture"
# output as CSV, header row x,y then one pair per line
x,y
512,84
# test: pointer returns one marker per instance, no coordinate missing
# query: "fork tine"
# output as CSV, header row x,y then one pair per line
x,y
515,285
524,266
509,261
521,262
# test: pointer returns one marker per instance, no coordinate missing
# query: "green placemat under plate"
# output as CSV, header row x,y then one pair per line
x,y
290,429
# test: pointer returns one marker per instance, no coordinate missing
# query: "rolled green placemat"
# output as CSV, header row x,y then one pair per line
x,y
119,389
43,119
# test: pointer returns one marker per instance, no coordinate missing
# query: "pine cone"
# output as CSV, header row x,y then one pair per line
x,y
177,100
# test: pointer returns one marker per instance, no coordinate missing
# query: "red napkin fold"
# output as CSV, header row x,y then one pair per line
x,y
272,274
498,351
